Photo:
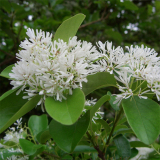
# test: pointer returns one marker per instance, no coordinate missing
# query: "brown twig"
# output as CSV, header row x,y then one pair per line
x,y
103,17
7,61
100,153
6,53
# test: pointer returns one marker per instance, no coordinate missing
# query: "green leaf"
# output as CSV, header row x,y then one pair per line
x,y
104,124
98,80
7,93
149,9
113,98
143,115
123,120
38,124
114,35
13,107
134,152
120,127
6,71
157,5
123,131
83,149
123,147
29,147
99,103
130,5
68,136
43,136
69,27
138,144
68,111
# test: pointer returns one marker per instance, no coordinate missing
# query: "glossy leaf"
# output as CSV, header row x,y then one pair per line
x,y
98,80
7,93
6,71
69,27
123,131
68,136
29,147
38,124
123,147
13,107
111,101
118,127
137,144
143,115
68,111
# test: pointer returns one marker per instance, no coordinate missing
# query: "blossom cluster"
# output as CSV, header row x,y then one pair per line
x,y
12,137
52,68
138,65
55,68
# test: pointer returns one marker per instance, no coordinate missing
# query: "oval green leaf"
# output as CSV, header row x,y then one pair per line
x,y
98,80
68,111
69,27
123,147
68,136
143,115
13,107
6,71
29,147
38,124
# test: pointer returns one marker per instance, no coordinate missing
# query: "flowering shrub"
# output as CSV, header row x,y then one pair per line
x,y
58,73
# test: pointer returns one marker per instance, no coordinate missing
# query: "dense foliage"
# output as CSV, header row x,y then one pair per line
x,y
124,23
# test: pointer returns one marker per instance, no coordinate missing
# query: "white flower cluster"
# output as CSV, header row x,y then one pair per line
x,y
138,64
52,68
12,136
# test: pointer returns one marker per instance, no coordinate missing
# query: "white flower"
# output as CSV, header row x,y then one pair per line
x,y
51,68
13,136
13,157
18,122
138,63
90,102
1,145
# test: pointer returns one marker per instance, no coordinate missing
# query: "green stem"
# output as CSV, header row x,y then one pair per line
x,y
114,125
138,86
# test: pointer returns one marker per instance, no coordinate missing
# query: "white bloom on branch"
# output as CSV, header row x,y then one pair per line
x,y
135,64
51,68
